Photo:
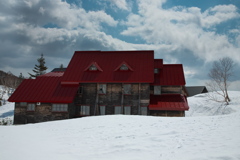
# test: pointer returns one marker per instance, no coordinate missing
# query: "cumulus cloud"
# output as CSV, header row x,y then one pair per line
x,y
57,28
184,28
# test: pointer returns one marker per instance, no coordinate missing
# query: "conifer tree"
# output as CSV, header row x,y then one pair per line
x,y
39,68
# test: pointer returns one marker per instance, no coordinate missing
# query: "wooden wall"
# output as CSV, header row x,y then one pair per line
x,y
114,97
42,113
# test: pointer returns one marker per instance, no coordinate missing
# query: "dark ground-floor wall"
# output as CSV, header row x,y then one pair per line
x,y
41,113
167,113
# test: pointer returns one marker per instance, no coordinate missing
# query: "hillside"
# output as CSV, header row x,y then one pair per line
x,y
208,132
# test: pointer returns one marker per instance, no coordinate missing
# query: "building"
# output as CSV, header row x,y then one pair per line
x,y
103,83
194,90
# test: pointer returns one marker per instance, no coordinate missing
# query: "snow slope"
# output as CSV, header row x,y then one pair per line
x,y
200,136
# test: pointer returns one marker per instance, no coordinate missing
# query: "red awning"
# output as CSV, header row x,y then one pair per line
x,y
169,102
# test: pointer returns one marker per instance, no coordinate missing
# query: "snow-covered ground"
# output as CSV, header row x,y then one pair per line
x,y
208,132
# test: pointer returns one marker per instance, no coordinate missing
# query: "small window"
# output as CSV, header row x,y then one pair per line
x,y
127,110
85,110
80,90
60,107
157,90
93,68
31,107
118,110
102,89
102,110
144,111
156,70
23,103
124,67
127,89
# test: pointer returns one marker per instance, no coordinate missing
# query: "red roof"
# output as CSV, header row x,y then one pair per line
x,y
168,102
140,64
45,90
52,74
170,74
158,63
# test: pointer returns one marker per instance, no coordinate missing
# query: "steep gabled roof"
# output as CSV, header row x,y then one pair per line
x,y
140,62
45,89
169,102
194,90
170,74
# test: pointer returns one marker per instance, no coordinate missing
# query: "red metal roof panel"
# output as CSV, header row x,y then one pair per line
x,y
52,74
170,102
170,74
141,63
45,90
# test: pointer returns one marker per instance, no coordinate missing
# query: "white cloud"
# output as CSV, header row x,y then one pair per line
x,y
218,14
183,28
121,4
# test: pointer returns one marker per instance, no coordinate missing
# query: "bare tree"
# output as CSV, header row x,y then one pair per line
x,y
220,74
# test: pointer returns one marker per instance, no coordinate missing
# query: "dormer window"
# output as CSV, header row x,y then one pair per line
x,y
124,67
93,67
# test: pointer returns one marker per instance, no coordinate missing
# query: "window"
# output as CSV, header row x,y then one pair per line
x,y
23,103
118,110
93,68
156,70
80,90
85,110
127,89
157,90
60,107
102,89
124,67
31,107
102,110
127,110
144,111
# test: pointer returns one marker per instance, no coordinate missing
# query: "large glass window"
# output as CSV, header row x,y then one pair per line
x,y
144,111
102,110
118,110
23,103
85,110
157,90
156,70
127,89
31,107
102,89
127,110
60,107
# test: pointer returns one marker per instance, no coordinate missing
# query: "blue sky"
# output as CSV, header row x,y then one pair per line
x,y
191,32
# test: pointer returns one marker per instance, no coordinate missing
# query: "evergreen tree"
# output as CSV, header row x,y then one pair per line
x,y
40,68
61,66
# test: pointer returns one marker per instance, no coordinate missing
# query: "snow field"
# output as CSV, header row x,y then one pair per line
x,y
206,133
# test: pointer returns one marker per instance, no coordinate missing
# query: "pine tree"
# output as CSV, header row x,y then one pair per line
x,y
61,66
40,68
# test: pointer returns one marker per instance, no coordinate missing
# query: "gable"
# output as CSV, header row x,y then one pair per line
x,y
140,65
